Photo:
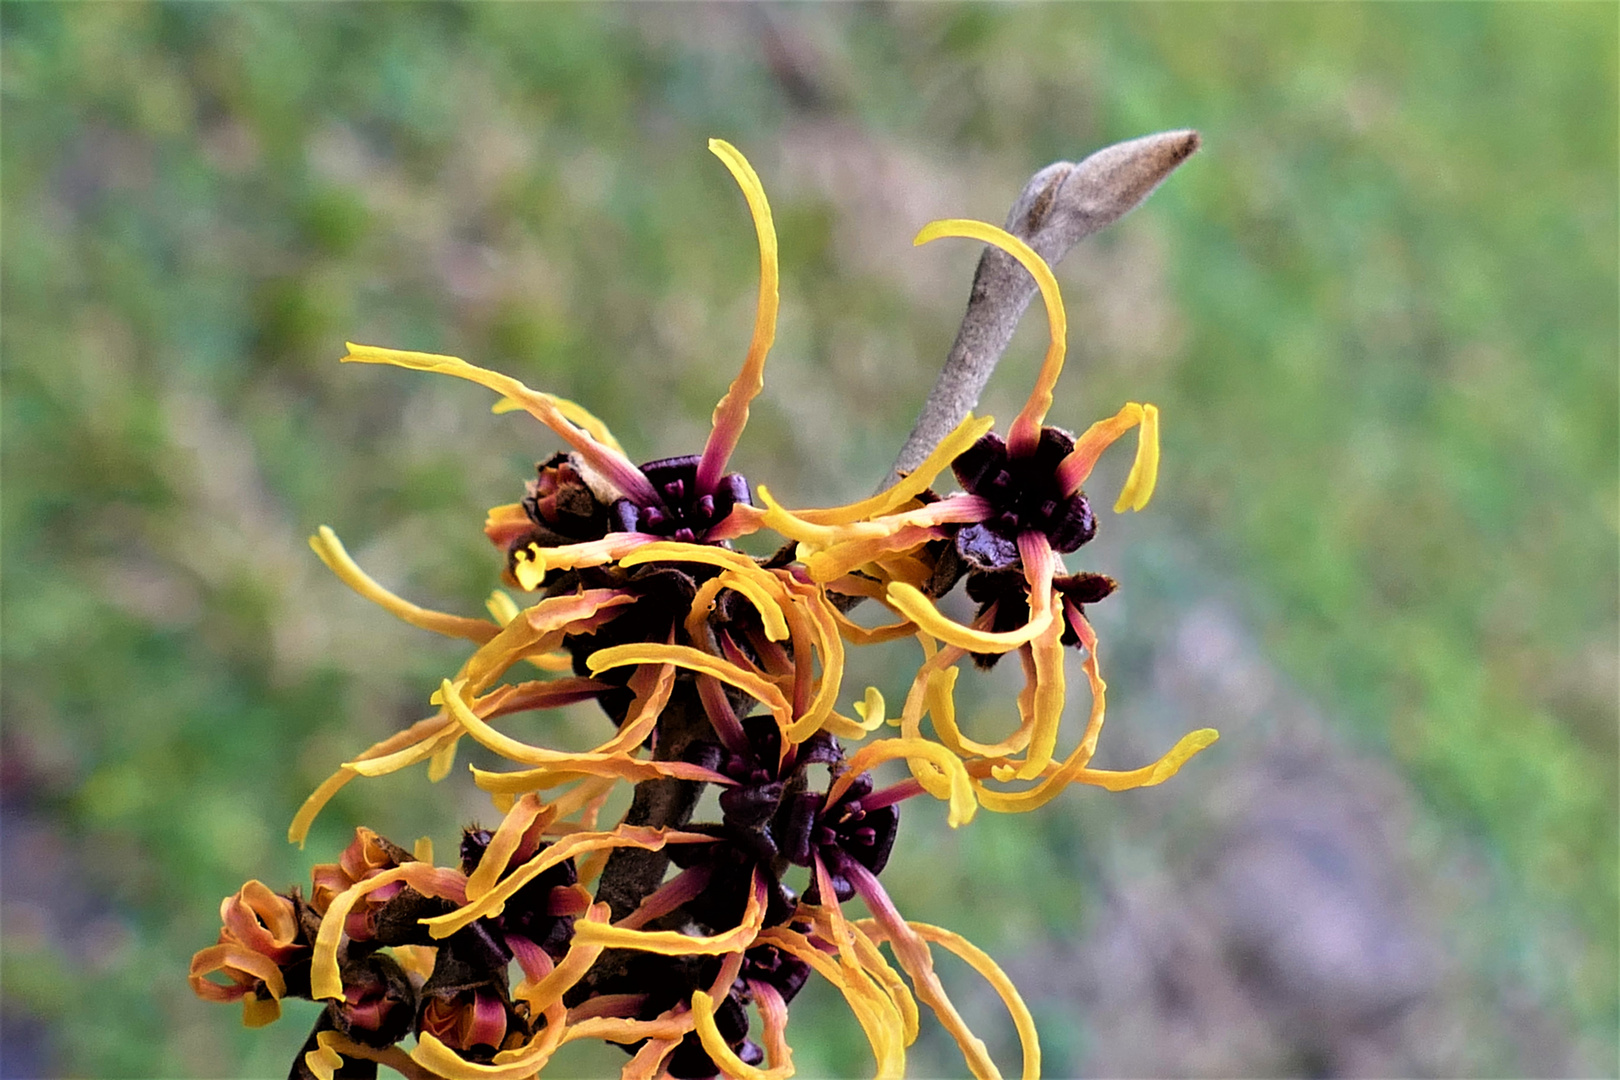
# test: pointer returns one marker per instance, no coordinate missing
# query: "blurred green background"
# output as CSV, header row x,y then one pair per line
x,y
1378,312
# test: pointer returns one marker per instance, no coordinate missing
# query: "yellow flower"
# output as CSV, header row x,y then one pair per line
x,y
1021,510
592,509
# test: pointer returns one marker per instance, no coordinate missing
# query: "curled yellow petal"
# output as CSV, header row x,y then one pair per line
x,y
326,544
1075,469
520,1064
685,656
835,561
955,509
1156,773
1055,780
918,963
541,629
715,1045
616,763
423,731
1025,433
610,463
333,1043
1047,707
871,958
770,611
493,902
648,1062
325,980
827,644
624,1030
1144,473
530,565
936,662
872,710
981,962
961,800
911,603
731,414
323,1061
878,1016
676,551
969,431
675,943
505,841
940,701
652,686
546,992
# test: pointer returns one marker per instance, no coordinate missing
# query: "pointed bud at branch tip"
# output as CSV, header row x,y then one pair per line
x,y
1061,205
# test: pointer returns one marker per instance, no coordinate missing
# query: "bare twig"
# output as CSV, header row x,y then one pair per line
x,y
1061,205
632,873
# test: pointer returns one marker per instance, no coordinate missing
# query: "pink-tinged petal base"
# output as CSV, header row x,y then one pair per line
x,y
912,953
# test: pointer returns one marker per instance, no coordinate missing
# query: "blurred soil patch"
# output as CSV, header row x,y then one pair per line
x,y
1310,930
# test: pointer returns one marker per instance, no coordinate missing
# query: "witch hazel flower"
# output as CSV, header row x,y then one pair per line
x,y
681,941
1021,510
570,538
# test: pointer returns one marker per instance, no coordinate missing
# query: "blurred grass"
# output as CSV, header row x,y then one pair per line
x,y
1378,312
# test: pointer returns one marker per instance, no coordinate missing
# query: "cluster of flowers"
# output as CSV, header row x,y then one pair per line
x,y
716,668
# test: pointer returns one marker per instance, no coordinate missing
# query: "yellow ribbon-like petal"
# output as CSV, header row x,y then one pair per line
x,y
961,800
1156,773
878,1016
1025,433
695,660
675,943
969,431
609,462
493,902
731,414
326,544
981,962
1144,473
911,603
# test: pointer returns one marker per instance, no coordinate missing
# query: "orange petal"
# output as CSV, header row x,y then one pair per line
x,y
1076,468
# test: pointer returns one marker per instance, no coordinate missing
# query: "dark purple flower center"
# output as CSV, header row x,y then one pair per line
x,y
529,912
843,830
770,965
1024,496
683,513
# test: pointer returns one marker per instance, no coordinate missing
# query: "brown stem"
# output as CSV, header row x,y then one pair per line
x,y
632,873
